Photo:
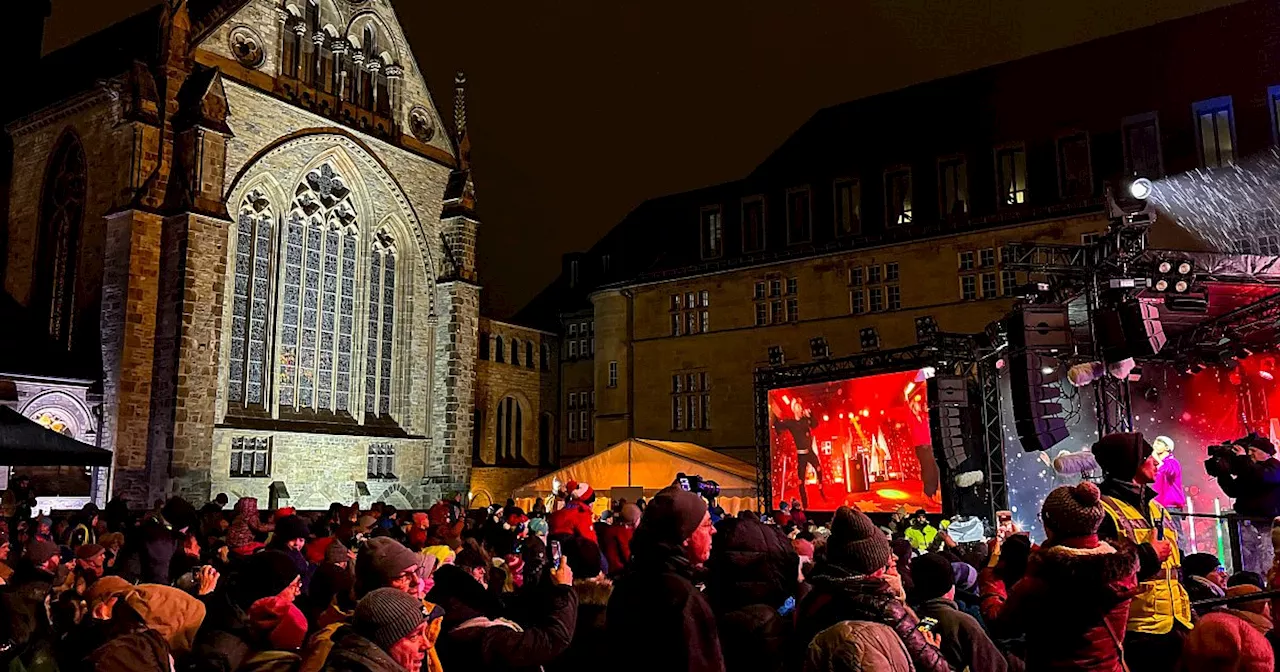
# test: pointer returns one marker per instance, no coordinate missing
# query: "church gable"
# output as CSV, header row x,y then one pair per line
x,y
347,60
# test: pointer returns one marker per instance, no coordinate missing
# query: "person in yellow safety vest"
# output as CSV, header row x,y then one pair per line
x,y
920,533
1160,616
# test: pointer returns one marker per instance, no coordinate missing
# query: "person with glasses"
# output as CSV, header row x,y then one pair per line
x,y
1204,577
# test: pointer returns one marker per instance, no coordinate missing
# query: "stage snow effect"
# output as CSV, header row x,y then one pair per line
x,y
1228,207
1194,410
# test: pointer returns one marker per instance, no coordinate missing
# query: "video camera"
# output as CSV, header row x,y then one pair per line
x,y
698,485
1218,463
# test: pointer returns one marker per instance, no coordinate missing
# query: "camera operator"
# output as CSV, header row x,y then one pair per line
x,y
1249,473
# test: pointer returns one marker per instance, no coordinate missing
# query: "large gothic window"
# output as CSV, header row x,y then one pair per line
x,y
382,283
318,311
247,384
61,215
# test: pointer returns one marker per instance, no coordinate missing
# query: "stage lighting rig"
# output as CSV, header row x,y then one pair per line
x,y
870,339
818,348
1140,189
926,328
776,356
1175,276
1129,203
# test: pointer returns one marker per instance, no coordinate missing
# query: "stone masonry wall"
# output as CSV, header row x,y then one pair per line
x,y
457,304
534,389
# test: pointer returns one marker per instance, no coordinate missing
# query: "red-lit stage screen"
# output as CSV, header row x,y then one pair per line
x,y
862,442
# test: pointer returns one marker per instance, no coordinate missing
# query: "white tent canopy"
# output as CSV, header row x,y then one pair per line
x,y
652,465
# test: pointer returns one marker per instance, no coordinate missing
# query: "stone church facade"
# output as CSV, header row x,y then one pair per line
x,y
254,216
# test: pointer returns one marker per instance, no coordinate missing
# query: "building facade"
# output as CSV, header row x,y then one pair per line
x,y
252,213
890,213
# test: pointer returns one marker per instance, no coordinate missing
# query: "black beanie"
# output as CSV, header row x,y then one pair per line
x,y
931,576
583,556
290,528
856,544
266,574
672,515
1200,564
1121,454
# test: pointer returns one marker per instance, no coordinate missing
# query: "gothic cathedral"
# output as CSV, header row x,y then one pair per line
x,y
249,221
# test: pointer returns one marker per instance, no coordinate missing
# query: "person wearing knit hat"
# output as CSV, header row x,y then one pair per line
x,y
1204,577
1073,599
860,581
963,640
657,597
390,632
1226,643
90,561
385,563
1160,616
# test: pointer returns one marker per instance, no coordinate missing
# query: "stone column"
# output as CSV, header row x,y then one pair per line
x,y
449,462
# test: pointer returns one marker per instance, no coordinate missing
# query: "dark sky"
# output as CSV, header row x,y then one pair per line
x,y
581,109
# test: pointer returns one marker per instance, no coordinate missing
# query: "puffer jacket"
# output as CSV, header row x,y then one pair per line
x,y
752,571
1072,604
589,645
839,596
857,646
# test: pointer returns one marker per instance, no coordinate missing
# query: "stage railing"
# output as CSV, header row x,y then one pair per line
x,y
1221,538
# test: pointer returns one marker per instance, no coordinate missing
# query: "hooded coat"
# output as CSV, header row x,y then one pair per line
x,y
474,637
1072,604
354,653
839,596
752,571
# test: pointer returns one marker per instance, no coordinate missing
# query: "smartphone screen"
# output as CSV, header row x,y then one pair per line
x,y
927,624
554,549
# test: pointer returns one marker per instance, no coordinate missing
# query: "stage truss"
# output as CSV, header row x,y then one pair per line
x,y
948,354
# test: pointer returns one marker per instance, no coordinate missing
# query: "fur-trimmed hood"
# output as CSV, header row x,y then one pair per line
x,y
594,592
1108,563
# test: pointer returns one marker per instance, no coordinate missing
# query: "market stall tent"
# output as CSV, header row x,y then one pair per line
x,y
25,443
651,465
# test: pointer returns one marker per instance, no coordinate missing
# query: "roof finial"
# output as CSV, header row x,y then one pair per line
x,y
460,103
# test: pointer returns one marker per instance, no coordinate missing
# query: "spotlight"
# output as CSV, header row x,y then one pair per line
x,y
1181,286
1164,267
1048,370
1184,268
818,348
1140,188
776,356
1162,285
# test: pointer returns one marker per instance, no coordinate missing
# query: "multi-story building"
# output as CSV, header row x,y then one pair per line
x,y
250,216
892,211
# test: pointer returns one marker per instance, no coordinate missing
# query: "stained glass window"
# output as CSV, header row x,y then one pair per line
x,y
316,341
382,292
61,215
247,376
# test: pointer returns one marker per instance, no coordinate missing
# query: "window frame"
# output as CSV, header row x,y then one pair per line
x,y
809,217
972,294
855,185
613,374
1213,106
718,213
1140,120
764,226
858,306
997,152
1061,163
961,162
889,173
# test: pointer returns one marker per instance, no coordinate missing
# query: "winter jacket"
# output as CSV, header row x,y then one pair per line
x,y
589,646
148,554
473,636
839,596
857,646
354,653
225,640
574,518
138,649
962,639
1254,485
22,612
173,613
1072,604
752,572
659,618
615,543
245,523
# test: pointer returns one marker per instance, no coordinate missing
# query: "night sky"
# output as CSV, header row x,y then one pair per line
x,y
581,109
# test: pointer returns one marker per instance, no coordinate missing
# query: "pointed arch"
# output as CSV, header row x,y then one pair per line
x,y
253,259
62,203
382,283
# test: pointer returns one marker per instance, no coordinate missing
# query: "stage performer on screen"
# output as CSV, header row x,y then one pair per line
x,y
922,440
1168,485
801,427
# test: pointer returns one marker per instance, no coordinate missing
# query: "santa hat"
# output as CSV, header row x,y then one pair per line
x,y
580,491
285,512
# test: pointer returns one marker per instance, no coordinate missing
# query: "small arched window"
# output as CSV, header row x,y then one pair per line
x,y
510,431
484,346
515,351
498,348
381,331
251,298
528,354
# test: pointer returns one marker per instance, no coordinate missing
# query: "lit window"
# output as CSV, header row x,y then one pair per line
x,y
848,208
691,323
704,298
968,288
677,413
953,187
706,321
877,299
857,305
897,190
1011,168
1075,170
799,215
753,224
1142,152
712,231
676,300
1216,131
895,297
966,261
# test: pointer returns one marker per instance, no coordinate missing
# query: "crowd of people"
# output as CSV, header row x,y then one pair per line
x,y
667,584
